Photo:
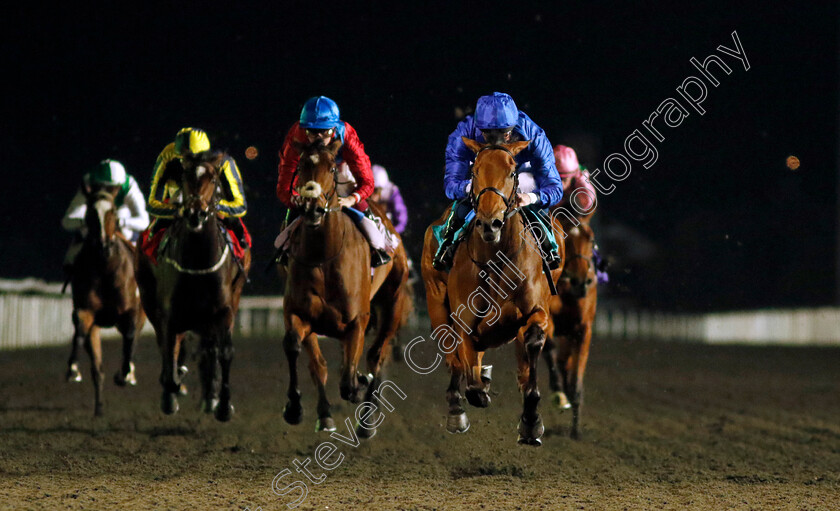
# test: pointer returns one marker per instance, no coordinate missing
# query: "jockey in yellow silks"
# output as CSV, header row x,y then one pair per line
x,y
232,205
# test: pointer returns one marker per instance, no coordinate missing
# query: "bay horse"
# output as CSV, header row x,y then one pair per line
x,y
495,293
104,292
195,287
330,289
573,314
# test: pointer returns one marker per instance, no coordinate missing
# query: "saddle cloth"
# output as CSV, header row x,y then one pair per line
x,y
150,242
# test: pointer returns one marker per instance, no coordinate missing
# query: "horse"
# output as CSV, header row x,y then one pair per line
x,y
330,291
495,293
104,292
573,313
195,287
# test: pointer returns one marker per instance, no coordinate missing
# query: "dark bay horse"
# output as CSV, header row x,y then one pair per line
x,y
330,290
195,287
573,314
495,293
104,292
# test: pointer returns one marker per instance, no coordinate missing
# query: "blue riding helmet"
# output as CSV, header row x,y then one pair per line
x,y
319,113
495,112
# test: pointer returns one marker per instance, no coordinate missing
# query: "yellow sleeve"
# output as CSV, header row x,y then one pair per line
x,y
157,206
236,207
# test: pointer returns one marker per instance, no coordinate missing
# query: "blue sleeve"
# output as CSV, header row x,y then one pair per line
x,y
549,186
458,160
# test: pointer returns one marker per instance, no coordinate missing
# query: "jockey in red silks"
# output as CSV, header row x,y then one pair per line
x,y
320,122
579,197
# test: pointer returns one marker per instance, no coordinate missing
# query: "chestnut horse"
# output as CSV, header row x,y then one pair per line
x,y
195,287
104,292
330,290
573,313
495,293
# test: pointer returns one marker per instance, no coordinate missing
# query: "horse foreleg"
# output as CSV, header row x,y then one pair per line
x,y
79,335
478,377
556,373
169,377
575,368
208,372
295,333
456,421
224,411
530,341
93,346
127,326
318,371
353,342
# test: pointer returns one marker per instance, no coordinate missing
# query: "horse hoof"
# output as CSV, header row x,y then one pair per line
x,y
293,414
530,432
125,379
560,400
364,379
478,398
364,432
97,411
486,373
350,394
224,413
209,405
169,403
73,373
457,423
536,442
183,370
575,434
182,390
325,424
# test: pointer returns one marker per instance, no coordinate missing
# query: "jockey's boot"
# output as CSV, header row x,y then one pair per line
x,y
446,251
552,258
235,224
378,256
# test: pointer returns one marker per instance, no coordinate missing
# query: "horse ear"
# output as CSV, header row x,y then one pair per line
x,y
219,159
334,146
517,147
471,144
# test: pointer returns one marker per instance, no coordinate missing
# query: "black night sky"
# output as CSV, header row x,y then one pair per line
x,y
729,224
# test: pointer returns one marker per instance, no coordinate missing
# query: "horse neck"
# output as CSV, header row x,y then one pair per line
x,y
323,242
201,248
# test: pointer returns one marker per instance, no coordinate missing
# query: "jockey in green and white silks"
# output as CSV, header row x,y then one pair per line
x,y
132,217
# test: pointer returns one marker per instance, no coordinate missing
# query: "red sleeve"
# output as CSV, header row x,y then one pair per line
x,y
353,152
289,158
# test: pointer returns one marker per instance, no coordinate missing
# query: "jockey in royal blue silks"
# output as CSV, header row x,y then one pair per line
x,y
498,121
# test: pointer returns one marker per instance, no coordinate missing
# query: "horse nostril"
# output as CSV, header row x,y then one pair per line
x,y
496,225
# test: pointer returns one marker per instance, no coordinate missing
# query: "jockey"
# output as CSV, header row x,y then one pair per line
x,y
388,195
232,206
497,120
575,177
132,217
320,122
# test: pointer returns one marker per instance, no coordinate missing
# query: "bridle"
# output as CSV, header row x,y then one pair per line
x,y
510,200
212,209
327,196
327,209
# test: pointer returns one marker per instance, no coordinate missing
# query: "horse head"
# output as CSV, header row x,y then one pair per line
x,y
200,184
101,216
579,271
316,181
494,171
